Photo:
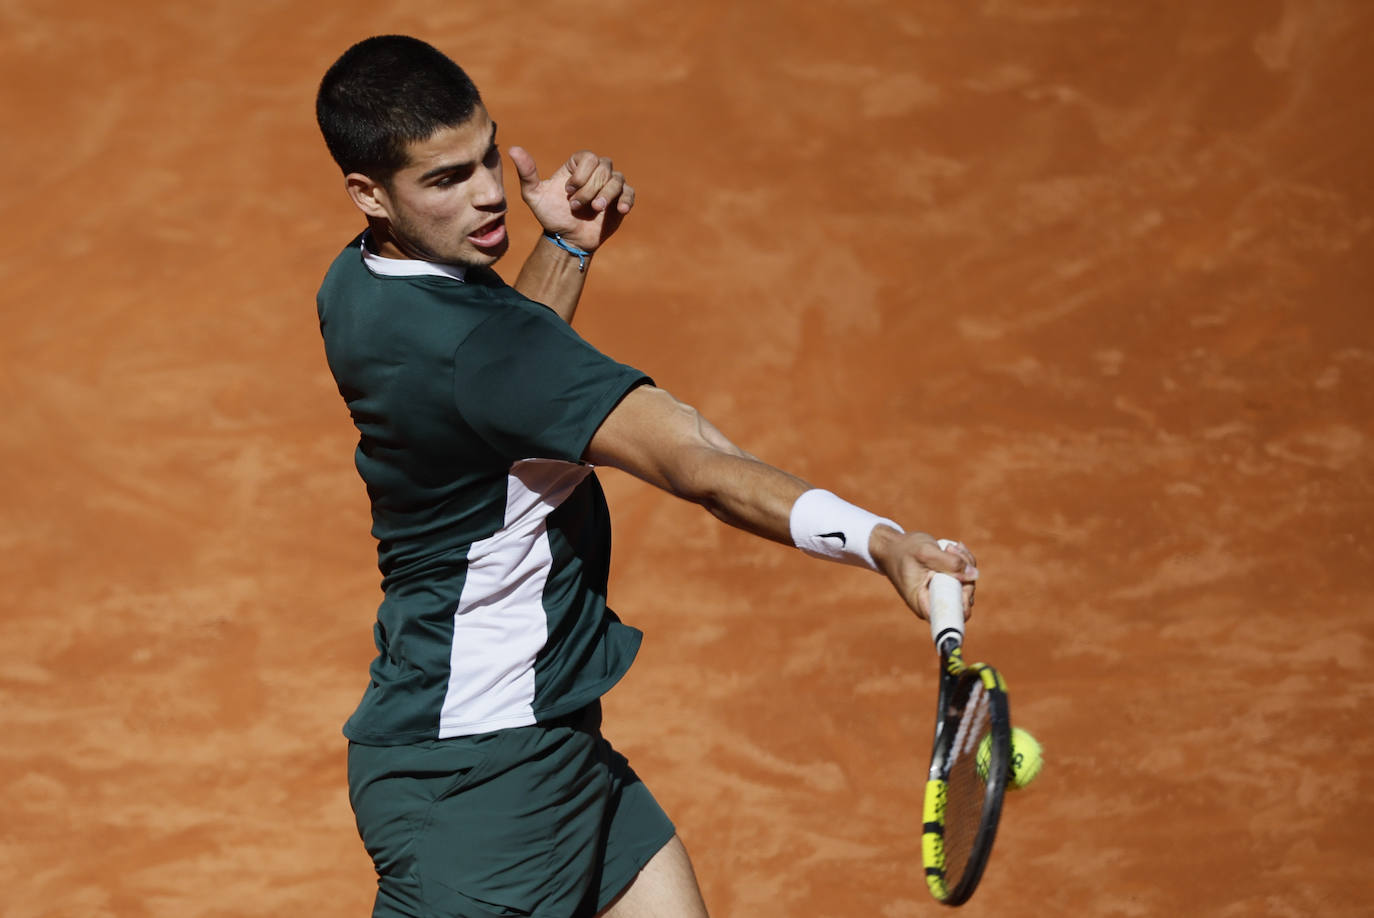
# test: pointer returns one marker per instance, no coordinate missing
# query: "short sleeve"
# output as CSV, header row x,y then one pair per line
x,y
532,388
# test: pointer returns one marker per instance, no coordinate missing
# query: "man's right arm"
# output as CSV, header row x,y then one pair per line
x,y
667,443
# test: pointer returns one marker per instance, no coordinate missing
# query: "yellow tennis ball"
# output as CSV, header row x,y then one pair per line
x,y
1026,757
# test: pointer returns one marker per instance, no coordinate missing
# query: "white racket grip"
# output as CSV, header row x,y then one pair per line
x,y
946,606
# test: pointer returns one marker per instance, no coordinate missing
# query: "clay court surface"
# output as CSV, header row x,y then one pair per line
x,y
1087,285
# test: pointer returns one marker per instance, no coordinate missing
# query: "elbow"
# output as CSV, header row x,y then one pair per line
x,y
700,470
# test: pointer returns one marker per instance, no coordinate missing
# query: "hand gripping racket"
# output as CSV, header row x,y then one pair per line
x,y
968,760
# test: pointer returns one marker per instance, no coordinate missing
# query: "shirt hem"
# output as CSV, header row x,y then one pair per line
x,y
566,705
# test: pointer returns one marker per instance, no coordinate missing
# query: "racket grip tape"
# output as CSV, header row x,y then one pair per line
x,y
946,606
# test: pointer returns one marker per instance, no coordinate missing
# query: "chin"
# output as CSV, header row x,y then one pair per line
x,y
481,258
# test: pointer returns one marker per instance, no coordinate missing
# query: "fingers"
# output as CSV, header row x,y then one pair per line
x,y
966,572
926,558
968,569
949,557
594,182
584,200
524,167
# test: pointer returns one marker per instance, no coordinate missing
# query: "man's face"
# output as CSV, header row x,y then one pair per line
x,y
447,203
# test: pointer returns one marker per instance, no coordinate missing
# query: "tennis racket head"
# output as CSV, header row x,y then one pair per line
x,y
968,777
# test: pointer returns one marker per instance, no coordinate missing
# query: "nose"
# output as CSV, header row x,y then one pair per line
x,y
489,191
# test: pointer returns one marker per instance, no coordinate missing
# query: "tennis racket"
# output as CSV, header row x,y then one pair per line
x,y
968,759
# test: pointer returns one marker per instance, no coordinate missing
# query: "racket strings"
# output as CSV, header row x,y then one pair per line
x,y
967,785
973,720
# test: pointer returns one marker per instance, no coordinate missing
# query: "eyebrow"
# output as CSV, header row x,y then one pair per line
x,y
454,167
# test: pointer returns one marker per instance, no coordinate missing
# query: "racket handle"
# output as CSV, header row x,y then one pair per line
x,y
946,607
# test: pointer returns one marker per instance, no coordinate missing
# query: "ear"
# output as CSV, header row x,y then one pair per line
x,y
370,196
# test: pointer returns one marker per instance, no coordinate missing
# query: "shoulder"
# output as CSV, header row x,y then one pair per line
x,y
352,289
348,261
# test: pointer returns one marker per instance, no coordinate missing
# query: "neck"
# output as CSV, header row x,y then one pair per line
x,y
381,241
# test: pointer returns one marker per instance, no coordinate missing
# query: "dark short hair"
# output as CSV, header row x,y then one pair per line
x,y
385,93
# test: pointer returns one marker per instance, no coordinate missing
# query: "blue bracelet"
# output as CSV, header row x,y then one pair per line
x,y
582,254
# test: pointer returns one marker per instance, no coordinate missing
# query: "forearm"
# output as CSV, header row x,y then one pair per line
x,y
742,491
553,277
752,495
669,444
768,502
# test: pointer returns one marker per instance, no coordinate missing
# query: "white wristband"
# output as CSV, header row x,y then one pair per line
x,y
824,526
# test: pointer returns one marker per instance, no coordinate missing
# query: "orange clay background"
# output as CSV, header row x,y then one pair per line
x,y
1085,284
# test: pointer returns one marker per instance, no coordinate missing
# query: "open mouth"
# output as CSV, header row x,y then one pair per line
x,y
490,234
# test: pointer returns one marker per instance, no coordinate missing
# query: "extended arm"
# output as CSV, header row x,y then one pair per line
x,y
583,203
657,438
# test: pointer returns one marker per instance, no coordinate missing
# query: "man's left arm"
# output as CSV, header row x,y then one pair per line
x,y
578,208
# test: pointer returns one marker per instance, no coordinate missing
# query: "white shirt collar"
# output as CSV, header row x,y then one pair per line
x,y
408,267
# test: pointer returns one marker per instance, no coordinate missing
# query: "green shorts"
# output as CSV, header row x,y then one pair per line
x,y
546,821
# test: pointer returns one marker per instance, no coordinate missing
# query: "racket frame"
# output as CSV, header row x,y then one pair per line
x,y
958,681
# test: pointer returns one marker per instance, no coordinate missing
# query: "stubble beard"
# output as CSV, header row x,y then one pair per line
x,y
412,241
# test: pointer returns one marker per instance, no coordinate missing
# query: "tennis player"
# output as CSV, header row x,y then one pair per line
x,y
478,773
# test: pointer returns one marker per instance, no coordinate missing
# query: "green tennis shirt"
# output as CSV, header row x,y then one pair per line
x,y
473,407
